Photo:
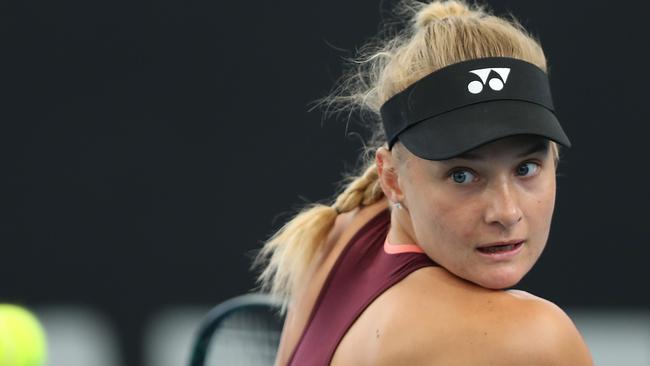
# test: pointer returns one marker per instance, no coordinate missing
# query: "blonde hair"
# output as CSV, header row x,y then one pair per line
x,y
438,34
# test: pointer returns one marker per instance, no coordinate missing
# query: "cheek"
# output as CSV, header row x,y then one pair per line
x,y
546,207
545,204
440,220
540,214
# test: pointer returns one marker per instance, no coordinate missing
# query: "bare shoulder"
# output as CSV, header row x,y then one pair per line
x,y
452,322
540,333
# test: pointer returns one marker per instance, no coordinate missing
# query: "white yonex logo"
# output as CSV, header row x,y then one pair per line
x,y
495,83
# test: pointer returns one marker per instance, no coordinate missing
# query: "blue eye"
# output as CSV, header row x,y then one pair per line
x,y
462,176
527,169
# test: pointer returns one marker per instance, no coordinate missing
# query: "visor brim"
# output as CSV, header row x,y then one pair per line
x,y
455,132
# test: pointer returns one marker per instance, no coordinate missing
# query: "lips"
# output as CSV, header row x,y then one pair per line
x,y
502,247
499,248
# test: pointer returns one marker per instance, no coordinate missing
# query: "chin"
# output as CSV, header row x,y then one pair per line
x,y
500,278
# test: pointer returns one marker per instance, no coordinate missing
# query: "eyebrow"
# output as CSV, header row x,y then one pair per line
x,y
538,147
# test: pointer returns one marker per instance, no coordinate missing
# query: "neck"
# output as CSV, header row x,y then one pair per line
x,y
401,228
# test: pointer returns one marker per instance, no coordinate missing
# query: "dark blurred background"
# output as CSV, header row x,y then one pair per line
x,y
149,147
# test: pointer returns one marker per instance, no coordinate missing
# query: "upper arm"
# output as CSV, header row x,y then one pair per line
x,y
283,351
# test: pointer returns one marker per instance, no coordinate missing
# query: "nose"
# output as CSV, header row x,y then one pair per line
x,y
503,207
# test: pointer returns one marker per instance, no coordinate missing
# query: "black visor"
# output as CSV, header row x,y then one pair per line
x,y
468,104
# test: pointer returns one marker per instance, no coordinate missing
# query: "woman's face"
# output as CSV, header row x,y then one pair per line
x,y
484,215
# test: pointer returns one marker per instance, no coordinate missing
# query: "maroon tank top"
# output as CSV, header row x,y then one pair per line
x,y
366,267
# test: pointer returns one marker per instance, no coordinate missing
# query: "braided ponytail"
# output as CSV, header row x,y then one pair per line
x,y
290,251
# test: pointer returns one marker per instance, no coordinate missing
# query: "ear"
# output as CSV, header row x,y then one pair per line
x,y
388,174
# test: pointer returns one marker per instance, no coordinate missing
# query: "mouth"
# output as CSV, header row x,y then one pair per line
x,y
502,250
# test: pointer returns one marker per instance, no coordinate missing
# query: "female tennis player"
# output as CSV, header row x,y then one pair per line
x,y
414,261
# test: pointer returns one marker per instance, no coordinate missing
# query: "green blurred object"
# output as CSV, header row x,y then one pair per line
x,y
22,339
